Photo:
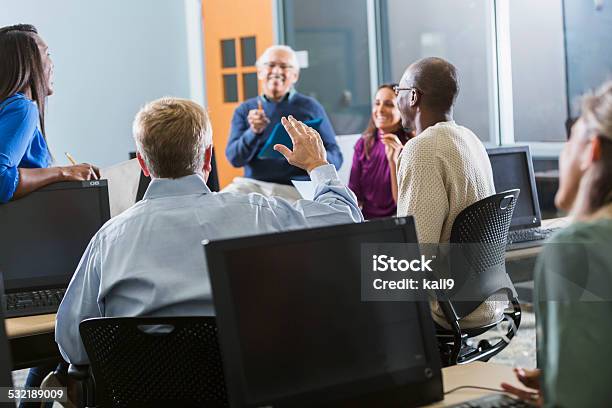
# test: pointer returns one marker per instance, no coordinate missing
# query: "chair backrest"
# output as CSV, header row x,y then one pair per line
x,y
482,228
155,361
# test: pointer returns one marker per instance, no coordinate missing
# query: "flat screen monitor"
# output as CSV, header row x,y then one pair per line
x,y
513,168
45,233
6,364
294,330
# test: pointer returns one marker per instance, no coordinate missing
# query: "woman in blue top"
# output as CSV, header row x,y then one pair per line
x,y
25,82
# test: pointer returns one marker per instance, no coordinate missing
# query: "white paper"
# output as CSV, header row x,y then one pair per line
x,y
123,179
305,188
302,59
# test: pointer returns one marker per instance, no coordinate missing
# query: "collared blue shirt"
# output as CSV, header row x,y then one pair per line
x,y
21,142
149,260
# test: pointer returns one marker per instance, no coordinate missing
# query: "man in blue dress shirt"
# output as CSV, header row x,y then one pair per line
x,y
278,71
149,261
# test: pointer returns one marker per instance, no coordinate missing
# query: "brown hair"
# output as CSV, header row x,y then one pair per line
x,y
371,132
172,134
21,66
597,115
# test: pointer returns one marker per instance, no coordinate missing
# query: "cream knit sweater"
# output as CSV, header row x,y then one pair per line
x,y
441,172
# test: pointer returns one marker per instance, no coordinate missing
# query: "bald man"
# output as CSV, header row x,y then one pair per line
x,y
445,168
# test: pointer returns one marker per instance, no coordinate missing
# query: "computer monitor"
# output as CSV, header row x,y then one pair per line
x,y
513,168
45,233
6,364
294,330
212,183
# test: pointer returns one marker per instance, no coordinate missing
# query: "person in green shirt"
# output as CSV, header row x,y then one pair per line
x,y
573,274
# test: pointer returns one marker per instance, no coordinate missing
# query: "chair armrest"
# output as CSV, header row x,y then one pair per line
x,y
79,372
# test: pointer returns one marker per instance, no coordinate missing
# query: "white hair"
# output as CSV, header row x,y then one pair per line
x,y
265,57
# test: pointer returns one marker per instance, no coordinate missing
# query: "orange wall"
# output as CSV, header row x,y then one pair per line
x,y
226,19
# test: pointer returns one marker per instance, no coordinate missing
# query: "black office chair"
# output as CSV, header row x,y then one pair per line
x,y
152,362
479,264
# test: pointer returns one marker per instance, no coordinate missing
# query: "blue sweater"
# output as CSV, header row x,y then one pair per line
x,y
244,145
21,142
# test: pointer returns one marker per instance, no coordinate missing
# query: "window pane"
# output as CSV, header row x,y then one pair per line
x,y
228,53
249,85
459,31
336,40
538,70
230,88
588,31
249,51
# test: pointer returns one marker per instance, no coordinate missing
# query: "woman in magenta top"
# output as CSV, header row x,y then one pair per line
x,y
373,175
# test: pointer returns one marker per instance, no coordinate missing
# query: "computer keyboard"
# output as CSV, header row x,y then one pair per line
x,y
529,237
494,401
33,302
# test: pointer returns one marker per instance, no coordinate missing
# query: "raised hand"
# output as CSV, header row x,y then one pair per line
x,y
393,146
308,151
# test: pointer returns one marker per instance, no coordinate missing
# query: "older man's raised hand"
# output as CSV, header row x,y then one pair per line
x,y
308,151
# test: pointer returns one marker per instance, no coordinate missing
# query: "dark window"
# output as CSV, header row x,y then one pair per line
x,y
249,51
228,53
460,33
230,88
338,75
249,85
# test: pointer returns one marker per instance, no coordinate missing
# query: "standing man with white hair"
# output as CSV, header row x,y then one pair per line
x,y
254,120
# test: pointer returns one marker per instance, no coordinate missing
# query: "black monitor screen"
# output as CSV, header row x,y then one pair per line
x,y
512,169
45,233
6,365
302,327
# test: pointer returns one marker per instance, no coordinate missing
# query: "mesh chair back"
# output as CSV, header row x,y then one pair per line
x,y
481,262
155,361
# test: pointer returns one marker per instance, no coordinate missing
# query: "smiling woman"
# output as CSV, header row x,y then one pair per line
x,y
373,174
26,79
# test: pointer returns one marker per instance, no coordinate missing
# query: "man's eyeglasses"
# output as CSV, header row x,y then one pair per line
x,y
397,89
282,66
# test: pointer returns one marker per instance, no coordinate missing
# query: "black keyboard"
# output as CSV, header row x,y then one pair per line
x,y
33,302
494,401
529,237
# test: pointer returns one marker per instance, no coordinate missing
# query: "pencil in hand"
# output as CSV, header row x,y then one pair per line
x,y
70,158
92,169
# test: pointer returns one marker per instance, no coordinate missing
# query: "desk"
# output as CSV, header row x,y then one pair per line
x,y
32,340
478,373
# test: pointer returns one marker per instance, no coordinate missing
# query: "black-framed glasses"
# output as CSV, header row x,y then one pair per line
x,y
282,66
397,89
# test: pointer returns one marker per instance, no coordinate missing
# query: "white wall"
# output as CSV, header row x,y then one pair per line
x,y
111,57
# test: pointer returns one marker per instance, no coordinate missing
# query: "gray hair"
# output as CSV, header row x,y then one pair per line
x,y
265,57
